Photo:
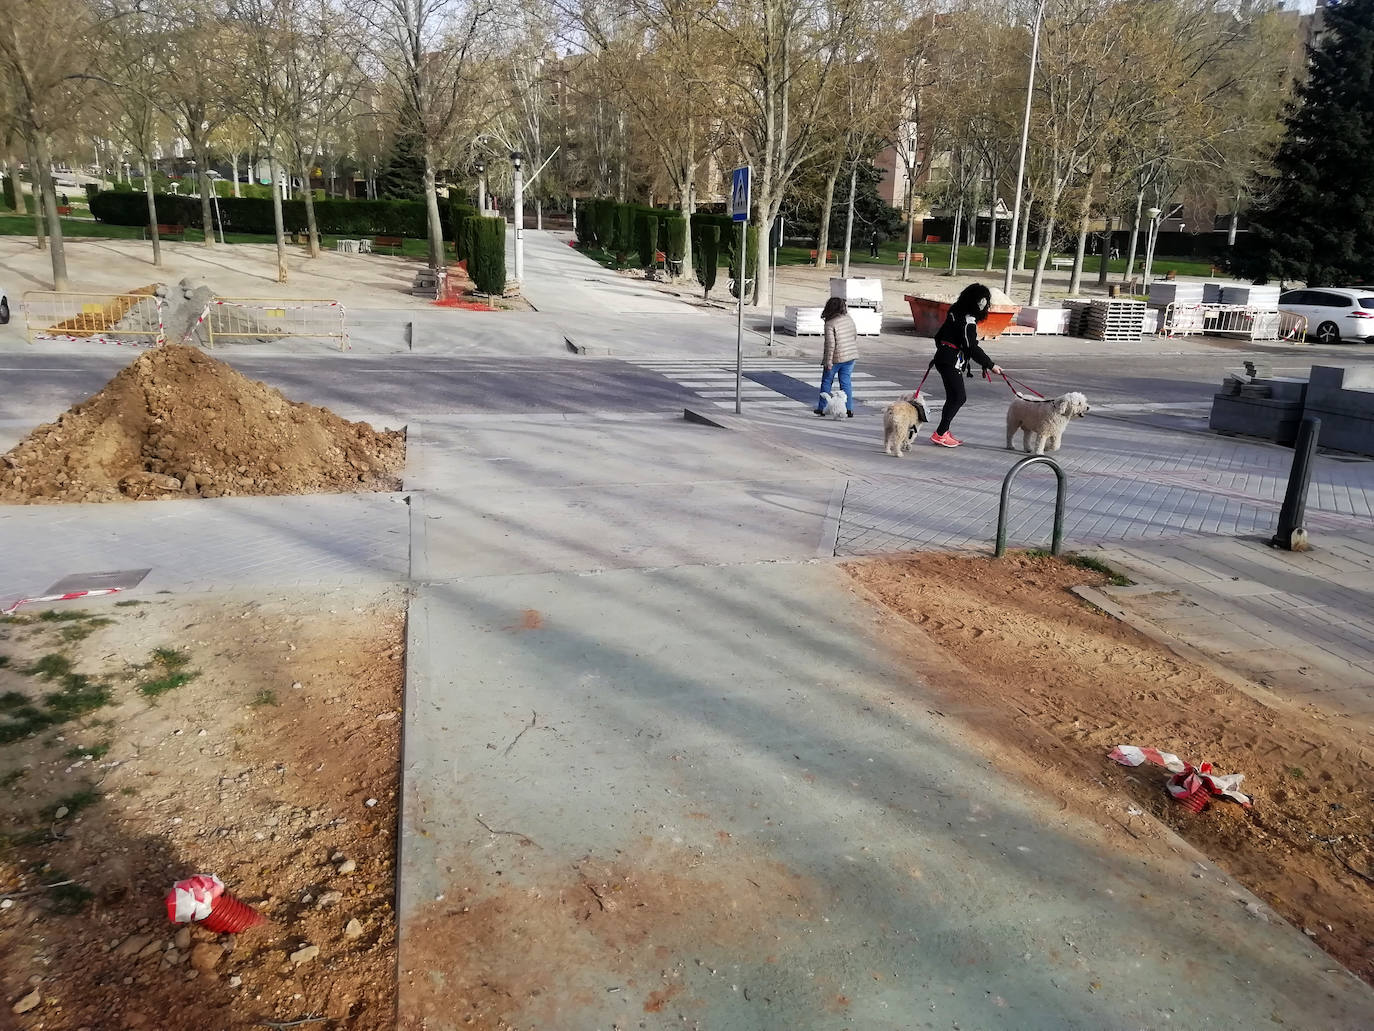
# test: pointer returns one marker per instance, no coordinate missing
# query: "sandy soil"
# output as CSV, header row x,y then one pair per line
x,y
178,423
236,270
259,744
1054,684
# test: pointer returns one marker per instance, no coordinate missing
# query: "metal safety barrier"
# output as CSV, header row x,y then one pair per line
x,y
127,319
1057,540
275,318
1231,320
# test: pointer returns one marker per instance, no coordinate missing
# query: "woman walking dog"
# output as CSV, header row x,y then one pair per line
x,y
956,344
841,352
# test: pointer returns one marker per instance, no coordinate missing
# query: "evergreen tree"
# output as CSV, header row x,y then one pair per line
x,y
1317,223
403,175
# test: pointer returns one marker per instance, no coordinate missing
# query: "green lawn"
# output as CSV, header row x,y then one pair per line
x,y
973,258
22,225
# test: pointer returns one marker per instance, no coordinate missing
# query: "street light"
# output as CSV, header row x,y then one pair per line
x,y
481,187
1025,139
516,160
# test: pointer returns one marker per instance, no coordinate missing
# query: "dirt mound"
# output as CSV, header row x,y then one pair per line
x,y
178,423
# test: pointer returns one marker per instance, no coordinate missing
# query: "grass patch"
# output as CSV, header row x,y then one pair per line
x,y
129,603
81,631
160,686
51,667
264,697
167,665
14,620
69,899
1087,562
77,695
95,751
78,800
64,616
12,701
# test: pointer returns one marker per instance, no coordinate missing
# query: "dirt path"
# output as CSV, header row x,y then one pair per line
x,y
1055,684
256,739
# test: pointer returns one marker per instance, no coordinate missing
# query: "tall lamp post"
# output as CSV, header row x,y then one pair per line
x,y
1025,139
516,160
481,167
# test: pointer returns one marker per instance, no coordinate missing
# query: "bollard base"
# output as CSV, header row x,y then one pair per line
x,y
1296,541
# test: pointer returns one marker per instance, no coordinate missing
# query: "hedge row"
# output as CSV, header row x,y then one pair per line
x,y
482,242
620,229
254,215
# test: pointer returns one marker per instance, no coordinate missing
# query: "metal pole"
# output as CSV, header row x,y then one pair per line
x,y
739,329
519,214
1291,535
773,288
1025,139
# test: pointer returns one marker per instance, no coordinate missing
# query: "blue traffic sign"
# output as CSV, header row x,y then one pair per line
x,y
739,194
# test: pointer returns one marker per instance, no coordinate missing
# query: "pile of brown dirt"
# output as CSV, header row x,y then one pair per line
x,y
1056,684
178,423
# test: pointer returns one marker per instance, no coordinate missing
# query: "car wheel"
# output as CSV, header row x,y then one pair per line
x,y
4,311
1327,333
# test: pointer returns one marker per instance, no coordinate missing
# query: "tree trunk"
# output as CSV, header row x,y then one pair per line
x,y
849,217
685,204
311,226
1135,238
436,225
12,169
954,238
1102,262
152,220
1025,236
277,217
762,286
1084,209
55,249
36,193
827,206
910,224
207,217
1231,229
1046,236
538,213
235,157
992,222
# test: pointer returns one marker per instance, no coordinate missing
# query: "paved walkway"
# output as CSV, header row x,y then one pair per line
x,y
1302,624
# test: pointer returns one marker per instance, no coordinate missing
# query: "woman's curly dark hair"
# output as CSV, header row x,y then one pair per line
x,y
976,300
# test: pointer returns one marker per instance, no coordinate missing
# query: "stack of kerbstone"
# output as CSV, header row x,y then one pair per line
x,y
1258,404
428,283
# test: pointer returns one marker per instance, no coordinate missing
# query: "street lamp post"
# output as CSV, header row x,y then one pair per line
x,y
516,160
481,187
1025,139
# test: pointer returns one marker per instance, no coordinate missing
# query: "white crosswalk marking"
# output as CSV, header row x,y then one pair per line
x,y
714,380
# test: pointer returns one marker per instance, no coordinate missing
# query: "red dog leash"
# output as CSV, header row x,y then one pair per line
x,y
1011,383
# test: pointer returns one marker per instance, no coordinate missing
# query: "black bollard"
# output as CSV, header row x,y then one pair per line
x,y
1290,534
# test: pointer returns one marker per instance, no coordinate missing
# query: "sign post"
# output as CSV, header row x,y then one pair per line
x,y
739,212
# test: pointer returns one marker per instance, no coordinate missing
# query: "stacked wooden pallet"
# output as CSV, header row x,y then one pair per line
x,y
1077,309
802,321
1114,320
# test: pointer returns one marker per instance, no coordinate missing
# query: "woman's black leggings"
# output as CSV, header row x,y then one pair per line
x,y
955,395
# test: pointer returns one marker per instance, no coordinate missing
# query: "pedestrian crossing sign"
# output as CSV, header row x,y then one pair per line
x,y
739,194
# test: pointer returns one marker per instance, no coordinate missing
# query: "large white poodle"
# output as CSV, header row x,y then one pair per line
x,y
1042,423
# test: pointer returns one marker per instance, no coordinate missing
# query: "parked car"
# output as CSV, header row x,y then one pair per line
x,y
1334,313
4,306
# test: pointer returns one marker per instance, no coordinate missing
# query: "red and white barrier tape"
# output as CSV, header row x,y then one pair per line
x,y
98,340
69,596
1191,785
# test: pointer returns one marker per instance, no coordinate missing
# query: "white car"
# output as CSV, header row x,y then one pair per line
x,y
1333,313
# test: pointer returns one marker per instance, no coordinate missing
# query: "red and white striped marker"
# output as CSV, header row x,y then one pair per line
x,y
69,596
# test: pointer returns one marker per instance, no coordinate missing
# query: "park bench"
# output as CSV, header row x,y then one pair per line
x,y
1061,263
165,229
64,209
829,255
917,257
395,243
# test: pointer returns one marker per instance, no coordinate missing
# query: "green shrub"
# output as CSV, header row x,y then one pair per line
x,y
624,229
672,238
454,213
706,255
131,209
254,214
605,224
487,264
586,224
10,200
751,257
647,231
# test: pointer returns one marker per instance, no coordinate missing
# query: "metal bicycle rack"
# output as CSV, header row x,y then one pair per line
x,y
1057,542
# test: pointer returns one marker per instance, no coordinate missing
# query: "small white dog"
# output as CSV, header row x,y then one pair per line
x,y
1042,423
902,422
835,402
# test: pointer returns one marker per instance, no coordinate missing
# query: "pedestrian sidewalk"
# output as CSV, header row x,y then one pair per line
x,y
1301,624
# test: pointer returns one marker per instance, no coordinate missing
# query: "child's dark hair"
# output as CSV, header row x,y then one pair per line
x,y
976,300
834,306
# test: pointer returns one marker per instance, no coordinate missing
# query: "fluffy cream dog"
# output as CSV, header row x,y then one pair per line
x,y
835,402
902,424
1042,423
